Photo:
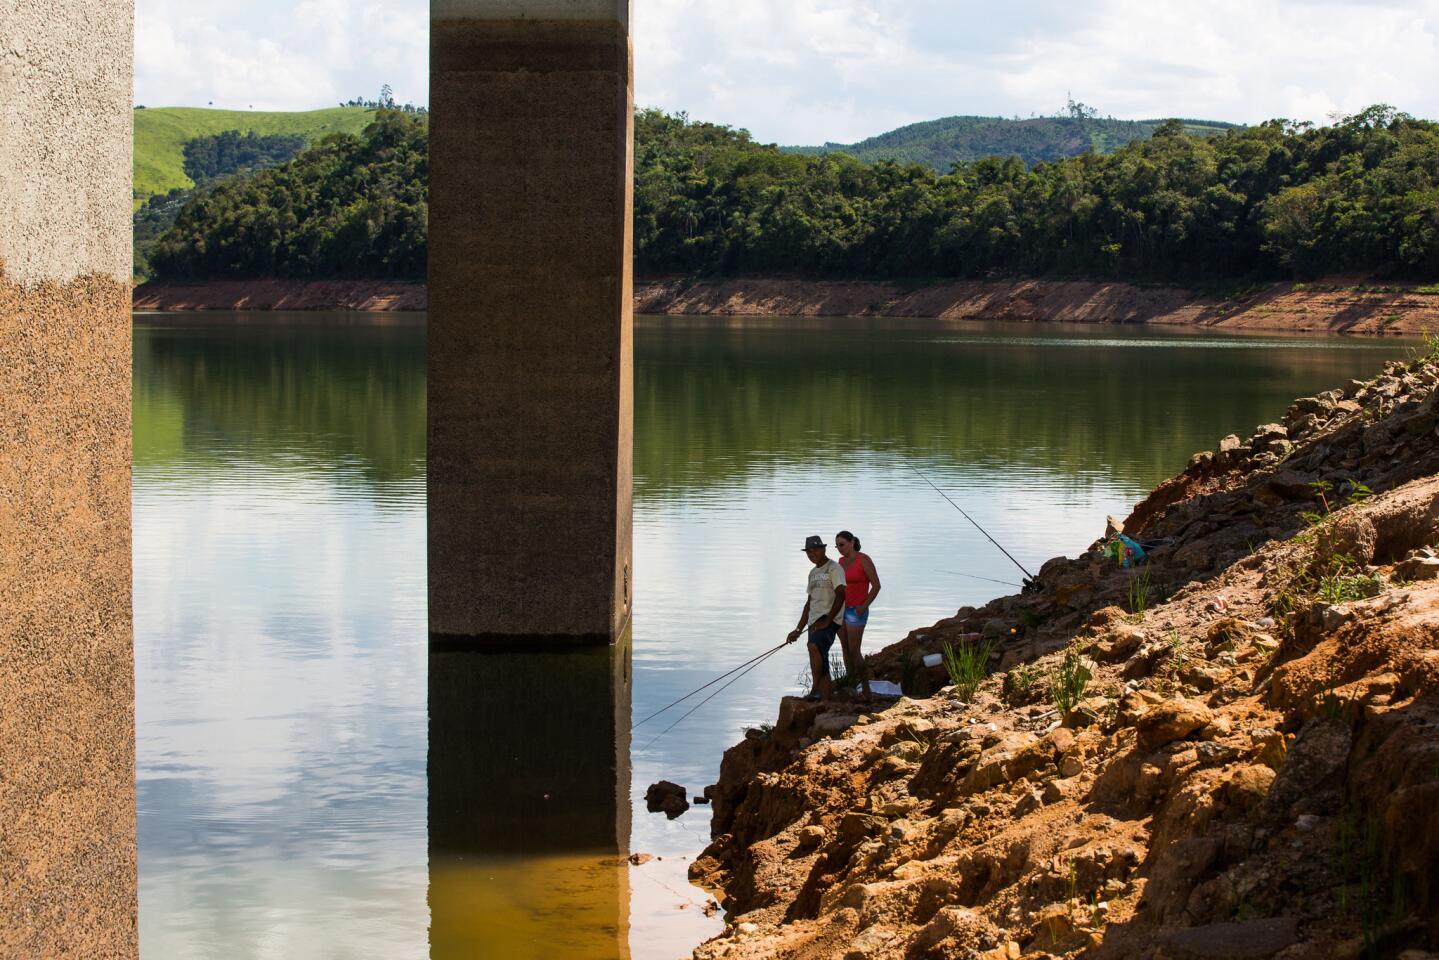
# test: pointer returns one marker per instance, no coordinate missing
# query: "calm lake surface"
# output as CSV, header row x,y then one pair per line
x,y
281,651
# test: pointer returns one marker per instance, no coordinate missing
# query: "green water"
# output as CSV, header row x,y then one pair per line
x,y
286,759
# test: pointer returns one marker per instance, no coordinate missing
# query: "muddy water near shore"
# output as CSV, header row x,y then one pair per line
x,y
297,797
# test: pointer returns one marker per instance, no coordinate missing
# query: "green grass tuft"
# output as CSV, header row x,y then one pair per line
x,y
968,665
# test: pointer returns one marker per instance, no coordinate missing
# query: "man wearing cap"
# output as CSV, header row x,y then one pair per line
x,y
824,601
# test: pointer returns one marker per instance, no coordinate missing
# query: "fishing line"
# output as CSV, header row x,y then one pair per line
x,y
1027,574
707,699
975,576
706,686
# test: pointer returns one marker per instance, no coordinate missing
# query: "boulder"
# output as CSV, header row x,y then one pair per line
x,y
667,798
1353,538
1418,565
1170,721
832,724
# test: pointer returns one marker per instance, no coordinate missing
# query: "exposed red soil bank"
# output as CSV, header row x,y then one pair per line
x,y
1337,308
364,295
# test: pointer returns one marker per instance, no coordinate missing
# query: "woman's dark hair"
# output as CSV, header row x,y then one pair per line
x,y
850,537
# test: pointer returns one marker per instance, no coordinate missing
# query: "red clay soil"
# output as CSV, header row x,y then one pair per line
x,y
365,295
1342,306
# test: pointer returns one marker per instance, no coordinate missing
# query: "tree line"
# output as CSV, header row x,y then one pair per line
x,y
1277,200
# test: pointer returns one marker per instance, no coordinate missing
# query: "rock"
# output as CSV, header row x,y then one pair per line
x,y
1119,642
994,629
1353,538
902,807
963,928
857,826
812,836
1250,940
833,724
1030,802
1170,721
868,943
1290,485
748,929
1007,760
641,858
666,797
1229,444
1070,766
1418,565
1061,740
1312,767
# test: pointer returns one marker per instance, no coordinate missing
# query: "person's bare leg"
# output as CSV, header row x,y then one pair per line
x,y
843,637
819,673
853,658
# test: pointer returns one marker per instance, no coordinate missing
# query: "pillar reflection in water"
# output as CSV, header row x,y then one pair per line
x,y
529,803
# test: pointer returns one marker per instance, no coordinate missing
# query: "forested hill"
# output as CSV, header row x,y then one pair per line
x,y
161,134
1265,202
940,144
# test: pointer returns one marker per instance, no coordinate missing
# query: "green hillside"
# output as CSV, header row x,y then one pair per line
x,y
160,135
940,144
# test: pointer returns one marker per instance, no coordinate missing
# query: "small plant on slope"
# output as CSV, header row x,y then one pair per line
x,y
967,665
1070,678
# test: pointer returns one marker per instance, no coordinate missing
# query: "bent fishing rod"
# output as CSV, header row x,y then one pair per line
x,y
1029,577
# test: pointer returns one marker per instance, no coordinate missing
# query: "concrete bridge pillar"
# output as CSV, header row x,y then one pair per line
x,y
530,384
67,730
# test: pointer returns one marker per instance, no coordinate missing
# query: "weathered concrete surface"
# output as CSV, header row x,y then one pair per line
x,y
530,300
67,760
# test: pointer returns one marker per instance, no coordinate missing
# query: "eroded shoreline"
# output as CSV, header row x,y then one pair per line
x,y
1340,306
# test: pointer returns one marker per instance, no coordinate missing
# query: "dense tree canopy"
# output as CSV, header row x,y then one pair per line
x,y
1275,200
347,207
231,152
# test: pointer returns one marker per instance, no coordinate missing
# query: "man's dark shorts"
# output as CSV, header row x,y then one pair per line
x,y
822,640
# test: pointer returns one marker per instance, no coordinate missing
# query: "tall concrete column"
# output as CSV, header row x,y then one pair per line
x,y
67,730
530,353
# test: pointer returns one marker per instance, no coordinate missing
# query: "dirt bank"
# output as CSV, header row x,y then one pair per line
x,y
1231,753
1342,306
365,295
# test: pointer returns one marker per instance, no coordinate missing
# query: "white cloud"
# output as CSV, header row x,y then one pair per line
x,y
814,70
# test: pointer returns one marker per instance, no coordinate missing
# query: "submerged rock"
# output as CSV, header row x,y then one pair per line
x,y
667,798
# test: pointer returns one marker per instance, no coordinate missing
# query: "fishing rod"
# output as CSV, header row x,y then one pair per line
x,y
707,699
707,686
1027,574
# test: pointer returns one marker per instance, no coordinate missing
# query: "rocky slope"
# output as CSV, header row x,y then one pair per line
x,y
1245,763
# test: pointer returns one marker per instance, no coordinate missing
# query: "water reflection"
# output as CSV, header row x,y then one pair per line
x,y
529,804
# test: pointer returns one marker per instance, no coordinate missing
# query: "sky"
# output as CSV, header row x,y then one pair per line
x,y
809,71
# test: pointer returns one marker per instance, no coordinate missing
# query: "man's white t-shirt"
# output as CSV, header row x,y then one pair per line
x,y
823,581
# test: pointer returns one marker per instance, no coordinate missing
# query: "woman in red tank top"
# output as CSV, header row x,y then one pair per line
x,y
861,586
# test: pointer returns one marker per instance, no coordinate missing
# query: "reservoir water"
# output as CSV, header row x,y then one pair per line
x,y
308,789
